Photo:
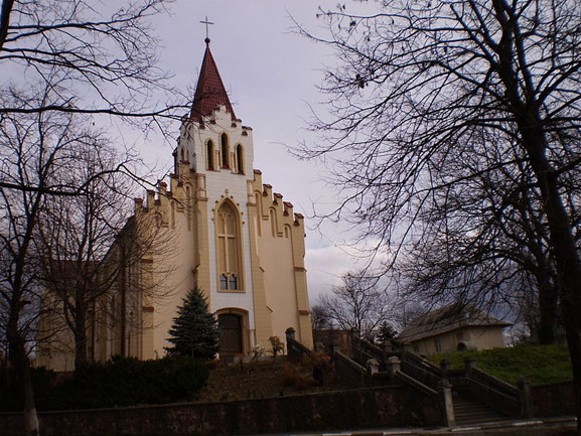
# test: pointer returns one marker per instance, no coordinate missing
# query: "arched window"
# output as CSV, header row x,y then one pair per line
x,y
210,155
229,265
225,151
223,282
240,159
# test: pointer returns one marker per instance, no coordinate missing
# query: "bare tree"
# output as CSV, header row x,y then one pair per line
x,y
417,80
91,252
34,147
57,225
358,304
75,232
81,59
100,58
320,317
484,241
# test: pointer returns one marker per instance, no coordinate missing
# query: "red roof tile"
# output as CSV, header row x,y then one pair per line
x,y
210,91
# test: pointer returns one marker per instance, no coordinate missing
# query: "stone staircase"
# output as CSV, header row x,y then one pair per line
x,y
469,412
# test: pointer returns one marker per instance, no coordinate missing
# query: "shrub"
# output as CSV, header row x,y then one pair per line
x,y
118,382
292,377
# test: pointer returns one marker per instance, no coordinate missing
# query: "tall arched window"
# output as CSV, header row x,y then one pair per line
x,y
225,151
229,265
210,155
240,159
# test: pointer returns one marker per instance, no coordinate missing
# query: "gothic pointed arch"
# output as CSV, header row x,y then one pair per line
x,y
229,248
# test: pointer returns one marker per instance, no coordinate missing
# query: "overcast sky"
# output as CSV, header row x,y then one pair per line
x,y
271,74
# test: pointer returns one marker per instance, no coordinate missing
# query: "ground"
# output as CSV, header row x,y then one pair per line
x,y
264,379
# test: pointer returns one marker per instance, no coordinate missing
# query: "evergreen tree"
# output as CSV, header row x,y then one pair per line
x,y
194,331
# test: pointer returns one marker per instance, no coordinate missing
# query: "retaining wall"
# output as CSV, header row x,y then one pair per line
x,y
360,408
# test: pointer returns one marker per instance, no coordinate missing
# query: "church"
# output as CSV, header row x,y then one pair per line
x,y
223,230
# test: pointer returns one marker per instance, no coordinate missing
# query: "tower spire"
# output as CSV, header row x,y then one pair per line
x,y
210,91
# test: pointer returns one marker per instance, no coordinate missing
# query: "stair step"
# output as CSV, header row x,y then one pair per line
x,y
469,412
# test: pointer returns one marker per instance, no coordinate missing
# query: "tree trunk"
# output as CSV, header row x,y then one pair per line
x,y
548,298
21,366
565,250
5,12
80,338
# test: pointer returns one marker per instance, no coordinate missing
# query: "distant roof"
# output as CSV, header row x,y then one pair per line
x,y
447,319
210,91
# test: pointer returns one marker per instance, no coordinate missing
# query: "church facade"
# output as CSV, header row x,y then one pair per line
x,y
225,231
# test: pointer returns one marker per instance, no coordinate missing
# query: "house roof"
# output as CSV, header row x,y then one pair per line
x,y
447,319
210,91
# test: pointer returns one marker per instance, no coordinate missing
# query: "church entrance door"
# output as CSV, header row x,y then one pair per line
x,y
230,334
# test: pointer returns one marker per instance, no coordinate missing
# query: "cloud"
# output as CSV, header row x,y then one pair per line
x,y
326,265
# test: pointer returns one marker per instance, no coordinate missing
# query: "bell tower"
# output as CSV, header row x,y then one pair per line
x,y
219,151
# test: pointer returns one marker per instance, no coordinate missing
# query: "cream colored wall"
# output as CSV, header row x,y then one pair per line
x,y
275,253
172,259
479,338
281,253
55,347
487,338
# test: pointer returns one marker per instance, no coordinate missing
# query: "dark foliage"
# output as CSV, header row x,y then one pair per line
x,y
116,383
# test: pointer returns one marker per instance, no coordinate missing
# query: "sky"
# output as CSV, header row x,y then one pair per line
x,y
271,74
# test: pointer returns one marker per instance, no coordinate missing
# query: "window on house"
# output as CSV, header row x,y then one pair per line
x,y
225,151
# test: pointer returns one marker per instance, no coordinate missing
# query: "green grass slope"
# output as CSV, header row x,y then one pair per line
x,y
539,364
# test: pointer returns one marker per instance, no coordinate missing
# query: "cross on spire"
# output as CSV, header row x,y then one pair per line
x,y
206,22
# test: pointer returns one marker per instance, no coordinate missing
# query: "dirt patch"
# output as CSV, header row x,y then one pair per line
x,y
265,379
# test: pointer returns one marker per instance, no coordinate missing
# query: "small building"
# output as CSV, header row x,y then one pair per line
x,y
456,327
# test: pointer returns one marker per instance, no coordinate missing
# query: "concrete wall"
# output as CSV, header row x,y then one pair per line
x,y
554,400
361,408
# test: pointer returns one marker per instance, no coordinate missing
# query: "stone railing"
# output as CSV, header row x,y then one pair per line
x,y
441,394
351,371
294,349
421,369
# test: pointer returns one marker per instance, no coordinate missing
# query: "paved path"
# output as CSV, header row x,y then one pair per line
x,y
561,426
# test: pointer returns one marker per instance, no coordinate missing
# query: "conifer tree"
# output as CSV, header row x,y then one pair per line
x,y
194,331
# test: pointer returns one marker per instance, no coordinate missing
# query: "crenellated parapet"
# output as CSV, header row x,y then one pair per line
x,y
165,202
272,206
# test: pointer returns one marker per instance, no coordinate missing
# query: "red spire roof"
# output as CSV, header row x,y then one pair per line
x,y
210,92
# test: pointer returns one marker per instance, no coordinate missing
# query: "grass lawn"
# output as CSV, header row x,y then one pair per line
x,y
539,364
